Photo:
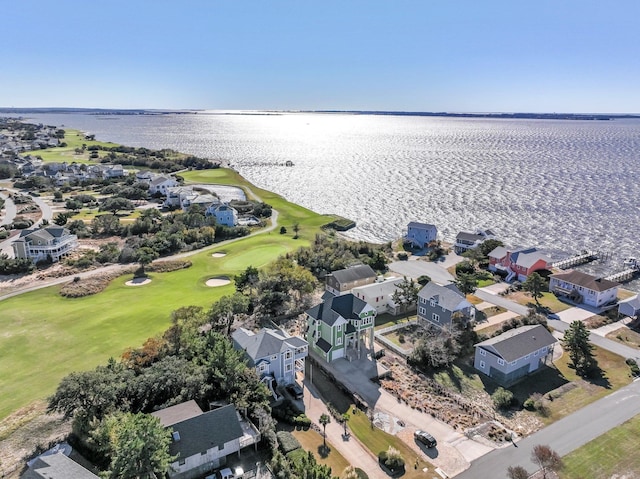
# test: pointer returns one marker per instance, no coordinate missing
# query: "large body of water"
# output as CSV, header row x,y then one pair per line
x,y
560,185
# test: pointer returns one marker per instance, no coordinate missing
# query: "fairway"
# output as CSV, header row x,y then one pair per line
x,y
45,336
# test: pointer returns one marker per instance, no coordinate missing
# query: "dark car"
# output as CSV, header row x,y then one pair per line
x,y
295,390
425,438
553,316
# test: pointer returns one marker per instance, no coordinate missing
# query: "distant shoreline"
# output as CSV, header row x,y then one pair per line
x,y
490,115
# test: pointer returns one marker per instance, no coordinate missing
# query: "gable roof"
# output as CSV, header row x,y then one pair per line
x,y
449,297
180,412
633,302
498,252
265,343
45,234
518,342
528,257
585,280
354,273
384,288
203,432
421,226
57,466
346,306
463,235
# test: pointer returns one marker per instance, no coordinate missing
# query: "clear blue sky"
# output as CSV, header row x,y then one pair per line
x,y
444,55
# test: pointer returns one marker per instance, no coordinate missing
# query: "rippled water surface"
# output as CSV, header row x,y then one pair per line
x,y
560,185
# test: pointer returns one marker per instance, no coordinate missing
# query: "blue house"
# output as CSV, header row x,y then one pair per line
x,y
420,234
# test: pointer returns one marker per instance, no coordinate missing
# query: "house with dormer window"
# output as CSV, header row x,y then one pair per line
x,y
52,242
340,326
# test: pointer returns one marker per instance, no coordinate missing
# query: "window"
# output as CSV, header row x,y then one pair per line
x,y
339,327
422,310
513,363
435,317
288,367
432,303
182,462
527,356
501,362
339,340
483,352
481,364
287,355
274,357
535,353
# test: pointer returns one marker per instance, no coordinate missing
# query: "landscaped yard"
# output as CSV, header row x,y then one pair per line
x,y
385,320
312,441
548,300
376,440
614,454
45,336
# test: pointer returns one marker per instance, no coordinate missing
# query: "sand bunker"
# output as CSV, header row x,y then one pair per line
x,y
138,282
219,254
218,281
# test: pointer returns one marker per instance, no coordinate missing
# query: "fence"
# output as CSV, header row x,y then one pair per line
x,y
379,336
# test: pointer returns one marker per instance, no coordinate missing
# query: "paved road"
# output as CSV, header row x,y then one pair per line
x,y
562,436
501,301
10,210
47,212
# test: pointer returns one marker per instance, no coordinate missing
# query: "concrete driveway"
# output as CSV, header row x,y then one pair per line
x,y
574,314
416,268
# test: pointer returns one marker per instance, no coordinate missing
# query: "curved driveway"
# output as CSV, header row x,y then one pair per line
x,y
10,210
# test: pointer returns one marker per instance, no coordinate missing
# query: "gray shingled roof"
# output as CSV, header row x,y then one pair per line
x,y
586,280
346,306
518,342
180,412
426,226
354,273
463,235
213,428
449,297
324,345
57,466
265,343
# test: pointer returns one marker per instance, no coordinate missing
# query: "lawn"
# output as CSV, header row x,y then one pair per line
x,y
312,441
614,454
43,328
376,440
385,320
74,139
548,300
626,336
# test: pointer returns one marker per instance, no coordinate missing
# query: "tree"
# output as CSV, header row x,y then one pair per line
x,y
502,398
345,418
517,472
116,204
296,229
324,420
61,219
466,283
350,472
534,285
283,230
73,204
576,342
246,280
145,256
406,294
106,225
546,459
137,444
223,312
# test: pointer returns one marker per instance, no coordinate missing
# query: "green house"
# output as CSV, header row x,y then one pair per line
x,y
341,327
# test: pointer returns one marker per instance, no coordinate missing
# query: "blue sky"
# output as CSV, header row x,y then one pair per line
x,y
446,55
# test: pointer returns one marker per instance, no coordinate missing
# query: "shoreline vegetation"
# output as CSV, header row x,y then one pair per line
x,y
77,334
496,115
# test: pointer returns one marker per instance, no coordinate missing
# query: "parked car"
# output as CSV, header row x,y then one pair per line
x,y
295,390
425,438
553,316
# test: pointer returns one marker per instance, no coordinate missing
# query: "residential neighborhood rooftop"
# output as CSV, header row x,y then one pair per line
x,y
586,280
519,342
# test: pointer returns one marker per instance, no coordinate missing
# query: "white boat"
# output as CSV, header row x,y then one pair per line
x,y
630,262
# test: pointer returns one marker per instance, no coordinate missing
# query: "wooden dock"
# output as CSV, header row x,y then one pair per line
x,y
623,276
582,258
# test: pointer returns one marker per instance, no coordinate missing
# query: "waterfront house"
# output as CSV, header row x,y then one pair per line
x,y
515,353
344,280
420,234
340,326
380,295
437,305
518,263
466,241
203,440
50,243
630,306
160,184
583,288
276,356
225,215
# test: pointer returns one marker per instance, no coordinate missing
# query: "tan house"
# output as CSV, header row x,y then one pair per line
x,y
52,242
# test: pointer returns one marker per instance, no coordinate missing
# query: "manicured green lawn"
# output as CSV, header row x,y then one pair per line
x,y
74,139
312,441
376,440
614,454
548,300
45,336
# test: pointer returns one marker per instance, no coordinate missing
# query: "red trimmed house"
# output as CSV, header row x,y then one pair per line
x,y
519,262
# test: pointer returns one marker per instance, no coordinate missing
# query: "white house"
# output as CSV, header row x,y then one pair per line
x,y
515,353
203,440
52,242
466,241
584,288
160,184
421,234
380,295
275,355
